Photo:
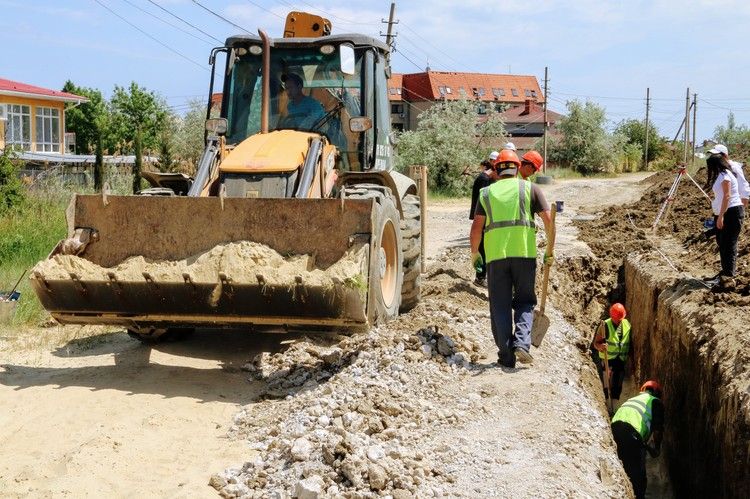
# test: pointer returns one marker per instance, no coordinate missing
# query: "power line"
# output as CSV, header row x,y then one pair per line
x,y
165,21
184,21
265,9
196,2
152,37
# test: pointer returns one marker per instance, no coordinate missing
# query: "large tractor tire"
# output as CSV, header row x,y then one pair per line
x,y
386,257
411,237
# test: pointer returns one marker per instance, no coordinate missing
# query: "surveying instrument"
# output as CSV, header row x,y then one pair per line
x,y
672,194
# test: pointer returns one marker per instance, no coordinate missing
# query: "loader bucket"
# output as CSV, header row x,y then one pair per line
x,y
176,235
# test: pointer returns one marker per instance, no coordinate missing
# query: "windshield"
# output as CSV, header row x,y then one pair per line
x,y
307,92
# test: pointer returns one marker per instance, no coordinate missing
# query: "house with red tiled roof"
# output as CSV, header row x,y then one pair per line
x,y
412,94
33,118
525,124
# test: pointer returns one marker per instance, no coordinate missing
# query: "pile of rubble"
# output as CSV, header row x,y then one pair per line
x,y
359,414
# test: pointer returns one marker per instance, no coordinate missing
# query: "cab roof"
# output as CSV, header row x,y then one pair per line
x,y
357,40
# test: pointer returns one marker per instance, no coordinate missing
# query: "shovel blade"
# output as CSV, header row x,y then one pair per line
x,y
539,328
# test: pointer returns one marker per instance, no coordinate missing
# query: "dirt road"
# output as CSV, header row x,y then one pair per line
x,y
88,412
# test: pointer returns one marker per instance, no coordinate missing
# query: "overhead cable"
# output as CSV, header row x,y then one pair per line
x,y
152,37
184,21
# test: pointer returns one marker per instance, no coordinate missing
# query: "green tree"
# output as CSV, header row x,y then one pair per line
x,y
634,132
11,189
584,143
139,117
447,140
732,134
88,120
188,134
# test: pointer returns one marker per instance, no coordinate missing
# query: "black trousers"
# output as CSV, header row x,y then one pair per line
x,y
617,376
632,453
727,238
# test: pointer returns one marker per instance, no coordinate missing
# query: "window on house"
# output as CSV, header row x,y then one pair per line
x,y
533,93
499,108
448,89
47,129
527,93
482,109
498,92
392,91
514,91
441,89
398,90
18,127
397,108
480,92
462,91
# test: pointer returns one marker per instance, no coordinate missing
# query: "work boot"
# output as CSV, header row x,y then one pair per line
x,y
481,281
523,356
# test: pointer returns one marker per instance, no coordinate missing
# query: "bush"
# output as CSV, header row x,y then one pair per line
x,y
11,188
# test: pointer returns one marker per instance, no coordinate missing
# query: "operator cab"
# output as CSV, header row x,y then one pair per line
x,y
334,86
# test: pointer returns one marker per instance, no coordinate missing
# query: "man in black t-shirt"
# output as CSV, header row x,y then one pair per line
x,y
484,179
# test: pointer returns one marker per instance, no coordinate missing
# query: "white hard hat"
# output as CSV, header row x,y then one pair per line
x,y
719,149
510,145
494,155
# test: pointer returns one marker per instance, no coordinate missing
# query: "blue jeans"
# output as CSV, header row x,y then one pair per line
x,y
510,283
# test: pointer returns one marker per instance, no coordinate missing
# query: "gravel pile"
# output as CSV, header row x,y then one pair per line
x,y
358,413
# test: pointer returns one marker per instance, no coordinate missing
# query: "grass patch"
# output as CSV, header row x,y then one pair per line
x,y
27,234
436,196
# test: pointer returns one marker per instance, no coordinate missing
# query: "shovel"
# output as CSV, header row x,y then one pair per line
x,y
541,321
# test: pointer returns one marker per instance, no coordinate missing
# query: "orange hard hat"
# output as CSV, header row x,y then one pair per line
x,y
617,312
507,156
652,386
534,158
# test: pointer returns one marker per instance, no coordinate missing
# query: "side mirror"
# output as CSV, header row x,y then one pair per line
x,y
360,124
393,138
216,126
346,59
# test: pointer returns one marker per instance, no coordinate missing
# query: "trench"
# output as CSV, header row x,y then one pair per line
x,y
692,342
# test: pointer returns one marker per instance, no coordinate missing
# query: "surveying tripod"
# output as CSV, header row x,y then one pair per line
x,y
672,194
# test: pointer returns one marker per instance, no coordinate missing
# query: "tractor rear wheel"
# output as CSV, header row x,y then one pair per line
x,y
411,237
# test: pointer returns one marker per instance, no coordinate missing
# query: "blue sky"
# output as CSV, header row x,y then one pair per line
x,y
609,51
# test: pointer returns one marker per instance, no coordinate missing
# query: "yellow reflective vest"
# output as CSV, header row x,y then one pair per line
x,y
509,229
618,340
638,413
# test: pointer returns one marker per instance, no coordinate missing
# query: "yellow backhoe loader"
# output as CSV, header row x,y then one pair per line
x,y
299,160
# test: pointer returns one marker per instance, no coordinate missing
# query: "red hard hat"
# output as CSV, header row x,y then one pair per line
x,y
535,158
507,156
652,385
617,312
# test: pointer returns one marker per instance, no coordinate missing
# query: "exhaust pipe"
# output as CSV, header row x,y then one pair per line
x,y
266,91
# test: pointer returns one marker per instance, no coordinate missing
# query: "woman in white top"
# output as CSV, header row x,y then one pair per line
x,y
728,211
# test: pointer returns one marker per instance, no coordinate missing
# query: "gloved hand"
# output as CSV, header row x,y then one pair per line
x,y
477,261
549,259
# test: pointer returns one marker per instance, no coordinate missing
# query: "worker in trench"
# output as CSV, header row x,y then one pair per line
x,y
637,422
612,341
484,179
505,215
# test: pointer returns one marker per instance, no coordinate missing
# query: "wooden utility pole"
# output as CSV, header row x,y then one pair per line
x,y
695,115
546,123
389,36
645,149
686,135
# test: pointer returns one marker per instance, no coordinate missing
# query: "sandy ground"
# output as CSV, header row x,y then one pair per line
x,y
89,413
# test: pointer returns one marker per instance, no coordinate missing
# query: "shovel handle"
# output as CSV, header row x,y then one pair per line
x,y
545,274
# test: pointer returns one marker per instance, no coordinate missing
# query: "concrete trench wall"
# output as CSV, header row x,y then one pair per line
x,y
677,340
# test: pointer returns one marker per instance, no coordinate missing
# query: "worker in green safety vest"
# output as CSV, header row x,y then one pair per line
x,y
637,421
505,215
612,340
